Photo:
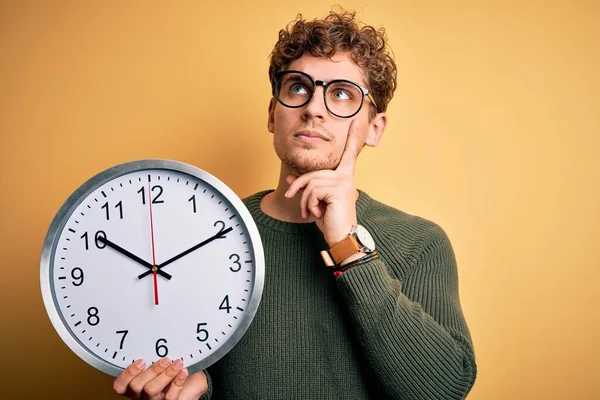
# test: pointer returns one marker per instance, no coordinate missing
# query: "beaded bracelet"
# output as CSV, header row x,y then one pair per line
x,y
359,261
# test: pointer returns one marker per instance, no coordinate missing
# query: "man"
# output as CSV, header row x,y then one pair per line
x,y
348,322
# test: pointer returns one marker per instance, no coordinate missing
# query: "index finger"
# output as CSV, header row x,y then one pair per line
x,y
348,160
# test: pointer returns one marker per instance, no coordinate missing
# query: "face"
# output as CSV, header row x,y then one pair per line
x,y
309,138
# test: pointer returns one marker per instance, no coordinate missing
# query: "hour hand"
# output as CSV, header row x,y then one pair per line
x,y
219,235
132,256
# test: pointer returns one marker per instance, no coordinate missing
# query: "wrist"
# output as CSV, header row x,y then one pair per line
x,y
359,261
355,244
353,257
334,238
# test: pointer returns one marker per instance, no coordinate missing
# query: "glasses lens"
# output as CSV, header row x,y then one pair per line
x,y
343,98
294,89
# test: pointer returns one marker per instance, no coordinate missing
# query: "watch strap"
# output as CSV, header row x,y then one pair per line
x,y
341,250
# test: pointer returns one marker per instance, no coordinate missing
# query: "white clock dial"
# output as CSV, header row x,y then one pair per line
x,y
150,259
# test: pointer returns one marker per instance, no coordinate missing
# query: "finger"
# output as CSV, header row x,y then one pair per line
x,y
177,384
313,194
158,384
317,201
195,386
122,381
348,160
139,382
301,181
290,179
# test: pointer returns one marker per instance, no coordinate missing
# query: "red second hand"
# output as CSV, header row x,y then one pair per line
x,y
153,254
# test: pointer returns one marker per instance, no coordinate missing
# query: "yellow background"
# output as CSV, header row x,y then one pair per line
x,y
493,134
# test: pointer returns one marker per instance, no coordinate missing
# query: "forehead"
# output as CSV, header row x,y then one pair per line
x,y
322,68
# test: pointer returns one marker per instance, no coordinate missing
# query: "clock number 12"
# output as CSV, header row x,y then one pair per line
x,y
156,199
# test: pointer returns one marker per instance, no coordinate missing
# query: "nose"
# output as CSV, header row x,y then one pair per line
x,y
316,106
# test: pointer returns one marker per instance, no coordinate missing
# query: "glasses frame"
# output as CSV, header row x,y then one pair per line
x,y
316,83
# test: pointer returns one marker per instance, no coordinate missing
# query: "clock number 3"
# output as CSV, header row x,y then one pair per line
x,y
236,262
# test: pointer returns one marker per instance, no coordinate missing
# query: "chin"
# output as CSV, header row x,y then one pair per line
x,y
306,159
305,164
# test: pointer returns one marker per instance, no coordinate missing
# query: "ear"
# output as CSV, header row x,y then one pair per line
x,y
271,120
376,129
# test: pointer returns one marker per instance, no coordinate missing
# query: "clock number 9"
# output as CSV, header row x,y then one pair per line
x,y
93,319
78,276
236,262
155,200
161,350
202,331
99,245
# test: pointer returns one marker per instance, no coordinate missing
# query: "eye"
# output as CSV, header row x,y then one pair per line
x,y
340,94
298,88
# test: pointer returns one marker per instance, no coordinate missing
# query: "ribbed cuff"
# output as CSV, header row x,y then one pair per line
x,y
208,394
362,282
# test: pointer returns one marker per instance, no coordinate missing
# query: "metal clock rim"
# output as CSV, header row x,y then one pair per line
x,y
73,201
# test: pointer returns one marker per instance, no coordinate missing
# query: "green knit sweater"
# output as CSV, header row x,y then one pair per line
x,y
389,329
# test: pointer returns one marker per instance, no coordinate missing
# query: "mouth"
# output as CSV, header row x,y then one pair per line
x,y
312,136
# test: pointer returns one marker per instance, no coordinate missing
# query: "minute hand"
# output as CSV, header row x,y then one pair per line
x,y
219,235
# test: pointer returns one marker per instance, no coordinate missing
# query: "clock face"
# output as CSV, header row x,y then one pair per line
x,y
150,259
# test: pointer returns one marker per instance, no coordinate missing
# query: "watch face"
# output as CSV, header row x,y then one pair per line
x,y
365,237
150,259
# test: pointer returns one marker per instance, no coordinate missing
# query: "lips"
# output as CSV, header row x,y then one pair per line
x,y
311,134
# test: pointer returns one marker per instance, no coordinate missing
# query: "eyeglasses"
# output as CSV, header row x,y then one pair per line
x,y
343,98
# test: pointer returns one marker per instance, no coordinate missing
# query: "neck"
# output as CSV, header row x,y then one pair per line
x,y
277,206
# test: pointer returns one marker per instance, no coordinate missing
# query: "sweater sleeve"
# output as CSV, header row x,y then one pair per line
x,y
208,394
409,323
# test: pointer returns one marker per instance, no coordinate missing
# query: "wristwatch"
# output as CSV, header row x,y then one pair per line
x,y
358,240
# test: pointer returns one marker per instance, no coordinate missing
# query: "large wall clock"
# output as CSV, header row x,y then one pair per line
x,y
148,259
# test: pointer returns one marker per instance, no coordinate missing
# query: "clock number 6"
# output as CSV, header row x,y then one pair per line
x,y
161,350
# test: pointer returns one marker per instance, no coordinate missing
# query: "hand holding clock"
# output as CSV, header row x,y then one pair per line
x,y
164,379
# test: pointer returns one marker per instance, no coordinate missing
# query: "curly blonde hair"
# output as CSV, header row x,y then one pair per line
x,y
339,32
